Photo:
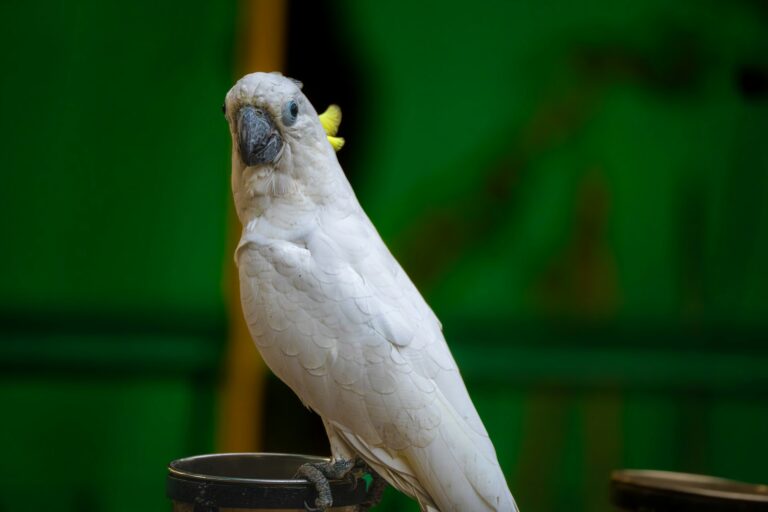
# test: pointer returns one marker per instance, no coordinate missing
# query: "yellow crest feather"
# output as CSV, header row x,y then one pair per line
x,y
331,119
336,142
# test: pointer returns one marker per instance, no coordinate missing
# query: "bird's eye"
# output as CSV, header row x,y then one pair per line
x,y
224,109
290,113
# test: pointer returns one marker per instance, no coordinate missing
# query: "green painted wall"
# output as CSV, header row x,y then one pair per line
x,y
113,190
581,192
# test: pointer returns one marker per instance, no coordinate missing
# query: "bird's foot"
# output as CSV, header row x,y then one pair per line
x,y
318,474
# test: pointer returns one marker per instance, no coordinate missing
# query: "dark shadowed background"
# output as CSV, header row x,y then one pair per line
x,y
580,190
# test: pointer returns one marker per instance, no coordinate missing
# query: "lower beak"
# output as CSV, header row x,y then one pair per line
x,y
259,142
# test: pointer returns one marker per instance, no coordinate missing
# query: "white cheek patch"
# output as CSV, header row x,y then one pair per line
x,y
269,182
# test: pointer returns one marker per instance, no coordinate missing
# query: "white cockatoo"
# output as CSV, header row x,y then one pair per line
x,y
336,317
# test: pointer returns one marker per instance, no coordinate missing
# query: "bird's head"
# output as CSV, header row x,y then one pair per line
x,y
279,143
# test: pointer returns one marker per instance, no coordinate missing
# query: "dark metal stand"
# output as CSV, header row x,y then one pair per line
x,y
253,481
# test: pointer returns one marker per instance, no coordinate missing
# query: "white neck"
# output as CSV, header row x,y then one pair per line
x,y
287,199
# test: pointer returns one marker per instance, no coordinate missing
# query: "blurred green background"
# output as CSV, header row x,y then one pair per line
x,y
579,190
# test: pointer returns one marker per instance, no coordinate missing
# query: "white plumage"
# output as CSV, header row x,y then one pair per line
x,y
336,318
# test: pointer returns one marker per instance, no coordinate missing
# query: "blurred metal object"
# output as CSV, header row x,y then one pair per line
x,y
251,482
664,491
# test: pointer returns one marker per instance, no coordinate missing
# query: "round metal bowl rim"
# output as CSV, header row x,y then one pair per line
x,y
678,483
264,481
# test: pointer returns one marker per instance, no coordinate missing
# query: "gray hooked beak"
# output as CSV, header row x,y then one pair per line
x,y
259,141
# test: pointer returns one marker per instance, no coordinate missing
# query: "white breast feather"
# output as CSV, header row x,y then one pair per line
x,y
338,320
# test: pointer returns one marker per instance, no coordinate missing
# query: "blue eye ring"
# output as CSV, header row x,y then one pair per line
x,y
290,112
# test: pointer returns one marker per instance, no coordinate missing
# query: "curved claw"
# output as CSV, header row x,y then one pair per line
x,y
318,474
319,508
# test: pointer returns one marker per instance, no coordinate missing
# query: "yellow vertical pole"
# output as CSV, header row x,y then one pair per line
x,y
261,48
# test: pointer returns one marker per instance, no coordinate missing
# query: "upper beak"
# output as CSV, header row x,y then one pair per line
x,y
259,141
